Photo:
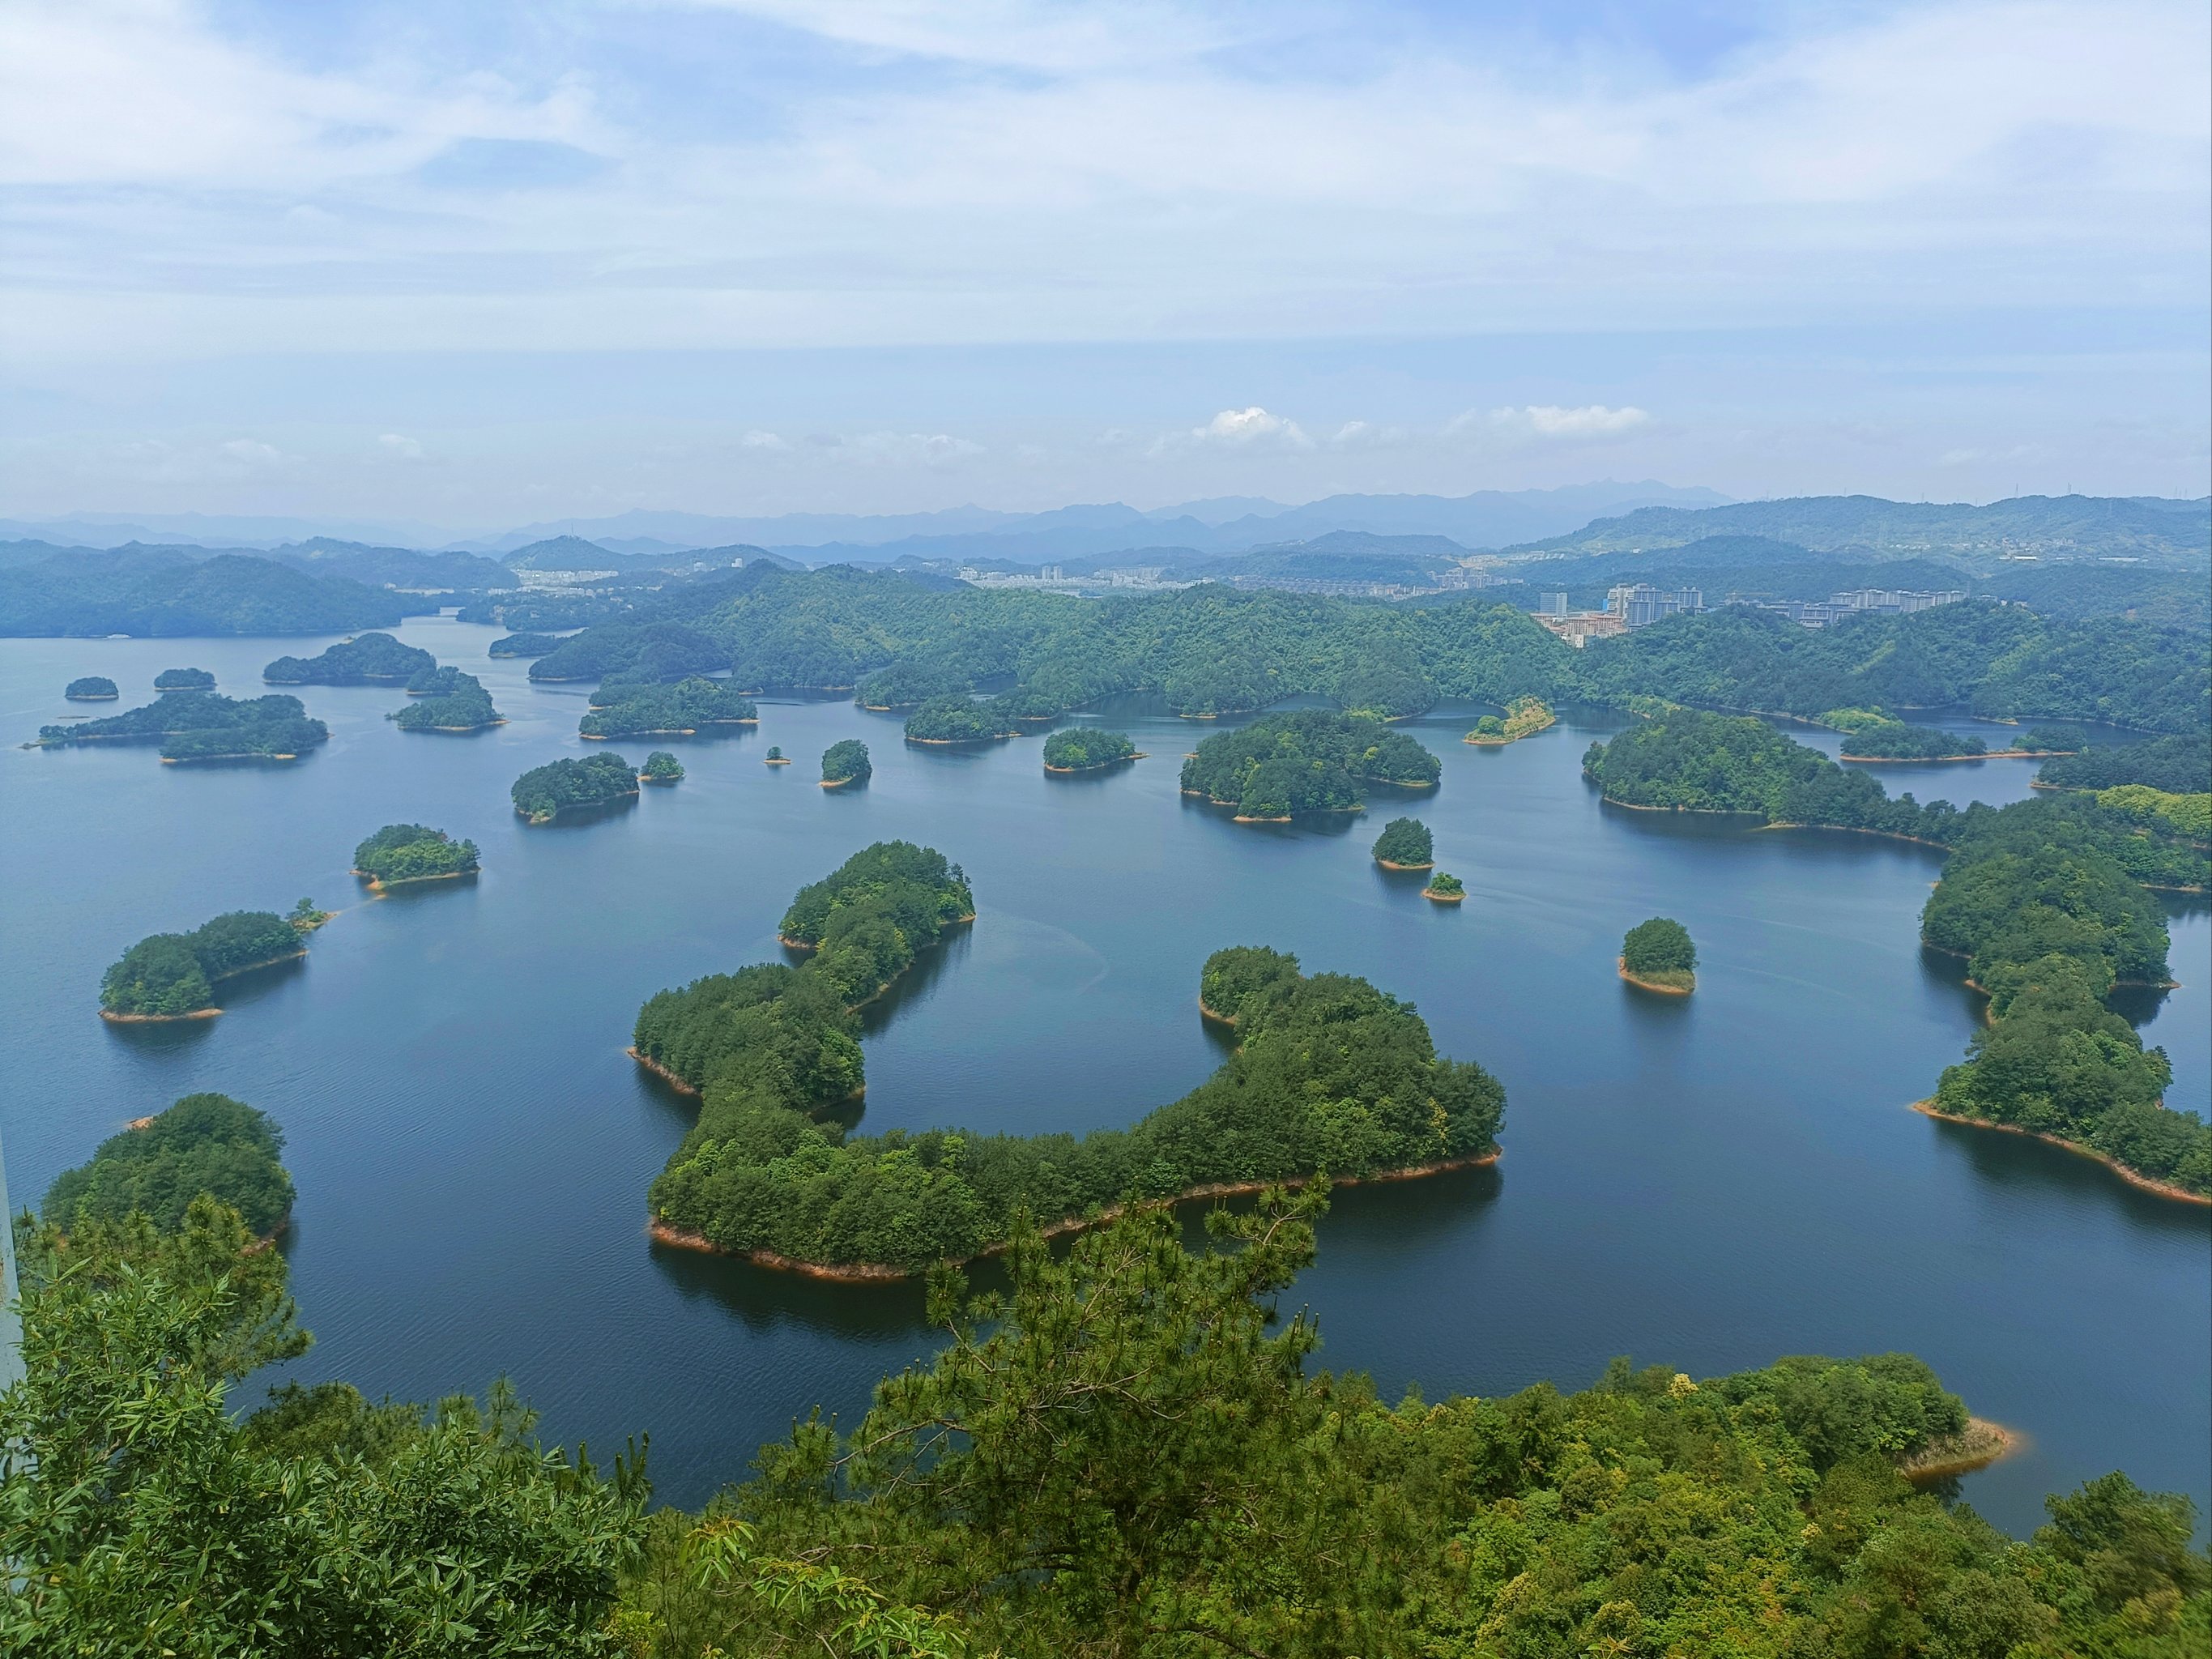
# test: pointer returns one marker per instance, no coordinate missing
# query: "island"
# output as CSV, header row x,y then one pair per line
x,y
166,593
205,1144
543,793
956,719
691,705
660,767
449,701
1444,888
93,688
522,645
402,853
191,726
1405,844
1309,760
1386,691
845,762
2177,765
1657,955
776,757
184,679
173,975
1524,718
364,660
1087,749
1329,1073
307,916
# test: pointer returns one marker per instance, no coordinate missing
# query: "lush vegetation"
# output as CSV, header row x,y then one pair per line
x,y
1407,843
775,756
207,1144
1445,886
539,611
166,975
912,887
640,651
956,719
1085,748
413,852
1125,1455
167,594
544,792
1308,760
647,710
2178,765
522,645
364,660
1895,740
200,725
1524,717
1331,1075
1386,690
661,766
846,761
184,679
2189,816
1660,951
93,688
448,701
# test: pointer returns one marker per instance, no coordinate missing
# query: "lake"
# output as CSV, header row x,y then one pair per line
x,y
1708,1183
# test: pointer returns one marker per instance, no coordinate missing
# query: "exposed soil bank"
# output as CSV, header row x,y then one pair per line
x,y
1976,1446
156,1019
661,1071
1664,989
1389,865
1435,897
2133,1178
1100,766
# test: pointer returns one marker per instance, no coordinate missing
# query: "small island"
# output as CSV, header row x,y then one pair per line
x,y
1087,749
93,688
191,726
1406,844
184,679
1657,955
523,645
161,1165
402,853
660,767
446,701
956,719
776,757
631,710
1309,760
307,916
1524,718
364,660
173,975
543,793
846,762
1444,888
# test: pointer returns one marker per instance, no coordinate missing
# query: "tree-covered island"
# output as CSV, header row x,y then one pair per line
x,y
1308,760
1386,691
1658,956
447,700
93,688
846,762
1524,717
173,975
776,757
1445,888
690,706
522,645
205,1145
184,679
1406,844
402,853
365,659
957,719
543,793
1087,749
204,725
662,768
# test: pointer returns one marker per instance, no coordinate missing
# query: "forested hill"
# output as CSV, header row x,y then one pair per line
x,y
2170,532
152,592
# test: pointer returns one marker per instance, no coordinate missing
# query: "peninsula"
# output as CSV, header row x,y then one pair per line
x,y
1524,718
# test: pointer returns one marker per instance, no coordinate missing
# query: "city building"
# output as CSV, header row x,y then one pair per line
x,y
1639,604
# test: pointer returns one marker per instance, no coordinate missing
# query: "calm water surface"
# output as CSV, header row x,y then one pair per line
x,y
1707,1184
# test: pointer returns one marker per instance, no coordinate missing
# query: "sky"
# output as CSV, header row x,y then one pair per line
x,y
472,264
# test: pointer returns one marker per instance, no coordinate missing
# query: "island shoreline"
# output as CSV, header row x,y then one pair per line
x,y
2134,1177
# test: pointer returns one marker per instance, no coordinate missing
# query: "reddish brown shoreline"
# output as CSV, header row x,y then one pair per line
x,y
1389,865
2133,1178
1923,760
1135,755
1654,986
156,1019
661,1071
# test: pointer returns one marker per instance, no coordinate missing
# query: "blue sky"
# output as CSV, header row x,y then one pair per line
x,y
474,263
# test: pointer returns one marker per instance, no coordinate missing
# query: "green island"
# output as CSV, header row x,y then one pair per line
x,y
173,975
447,700
632,710
204,725
184,679
364,660
2044,899
956,719
1869,734
2180,765
403,852
1445,888
660,767
1406,844
1386,690
93,688
1087,749
1524,717
543,793
1053,1480
306,916
776,757
846,762
1658,956
1330,1075
205,1144
629,649
521,645
1308,760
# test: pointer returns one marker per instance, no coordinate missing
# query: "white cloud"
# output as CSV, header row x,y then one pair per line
x,y
1553,421
251,452
1246,427
767,440
395,446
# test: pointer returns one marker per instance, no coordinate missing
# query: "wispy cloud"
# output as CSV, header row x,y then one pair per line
x,y
1553,421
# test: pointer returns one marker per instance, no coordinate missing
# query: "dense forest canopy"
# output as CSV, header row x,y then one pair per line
x,y
1406,842
661,766
413,852
195,725
92,687
449,702
2179,765
691,704
364,660
156,595
184,679
168,975
205,1144
1306,760
957,719
1896,740
1083,748
1660,946
846,761
543,793
521,645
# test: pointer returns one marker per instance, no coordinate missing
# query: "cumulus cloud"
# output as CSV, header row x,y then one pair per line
x,y
1555,420
395,447
1247,427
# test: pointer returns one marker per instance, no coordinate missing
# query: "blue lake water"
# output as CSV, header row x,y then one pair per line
x,y
1708,1183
